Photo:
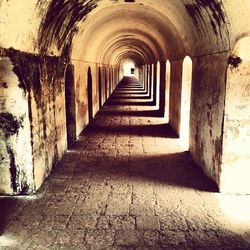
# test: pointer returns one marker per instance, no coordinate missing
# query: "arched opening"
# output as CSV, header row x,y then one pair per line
x,y
106,84
167,90
158,81
100,86
129,69
185,101
236,137
70,104
90,100
112,79
152,82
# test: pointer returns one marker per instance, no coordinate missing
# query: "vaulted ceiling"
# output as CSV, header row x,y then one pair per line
x,y
109,31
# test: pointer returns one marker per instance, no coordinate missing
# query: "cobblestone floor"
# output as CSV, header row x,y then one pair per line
x,y
125,184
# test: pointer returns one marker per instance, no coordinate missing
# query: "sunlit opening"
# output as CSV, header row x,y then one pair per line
x,y
242,49
158,82
236,207
185,102
129,69
167,90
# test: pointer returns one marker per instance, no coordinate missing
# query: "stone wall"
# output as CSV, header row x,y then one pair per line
x,y
236,143
41,80
175,95
207,110
16,168
33,132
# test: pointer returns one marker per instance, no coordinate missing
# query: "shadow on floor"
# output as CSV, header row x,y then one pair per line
x,y
7,211
156,130
142,113
130,103
176,169
131,97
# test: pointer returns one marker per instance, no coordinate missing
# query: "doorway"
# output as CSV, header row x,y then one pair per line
x,y
100,86
90,100
185,102
70,104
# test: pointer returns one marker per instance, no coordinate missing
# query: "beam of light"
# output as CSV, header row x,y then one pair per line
x,y
185,102
237,207
7,241
128,67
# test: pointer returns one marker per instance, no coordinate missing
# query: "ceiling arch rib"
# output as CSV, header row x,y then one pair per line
x,y
110,54
134,55
142,43
54,27
105,28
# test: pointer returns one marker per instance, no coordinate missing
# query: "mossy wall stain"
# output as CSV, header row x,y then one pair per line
x,y
60,24
42,80
10,124
213,8
3,85
234,61
13,170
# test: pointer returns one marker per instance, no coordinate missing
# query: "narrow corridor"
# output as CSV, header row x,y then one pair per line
x,y
126,183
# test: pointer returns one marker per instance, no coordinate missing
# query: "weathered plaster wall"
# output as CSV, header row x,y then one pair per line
x,y
175,95
94,71
104,86
167,90
162,88
81,78
42,79
48,112
207,110
236,143
16,167
20,21
81,71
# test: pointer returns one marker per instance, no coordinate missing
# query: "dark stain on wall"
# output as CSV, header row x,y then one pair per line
x,y
217,158
13,169
18,180
34,72
42,79
213,8
26,67
17,71
10,124
61,23
234,61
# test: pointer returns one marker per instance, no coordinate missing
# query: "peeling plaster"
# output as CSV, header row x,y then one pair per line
x,y
10,124
234,61
61,23
213,9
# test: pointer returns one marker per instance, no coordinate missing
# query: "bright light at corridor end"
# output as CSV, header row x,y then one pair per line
x,y
129,69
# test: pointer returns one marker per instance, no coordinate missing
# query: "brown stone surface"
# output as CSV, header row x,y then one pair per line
x,y
125,184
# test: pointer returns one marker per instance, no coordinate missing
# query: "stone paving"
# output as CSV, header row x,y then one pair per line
x,y
125,184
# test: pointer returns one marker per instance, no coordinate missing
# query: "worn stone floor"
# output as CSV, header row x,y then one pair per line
x,y
126,184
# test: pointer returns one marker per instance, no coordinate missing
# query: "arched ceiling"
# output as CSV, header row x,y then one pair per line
x,y
109,31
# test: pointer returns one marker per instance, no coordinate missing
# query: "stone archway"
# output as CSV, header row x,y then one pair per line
x,y
100,86
90,97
